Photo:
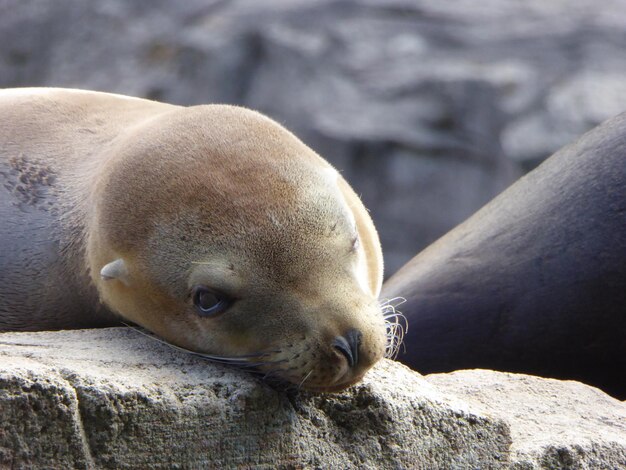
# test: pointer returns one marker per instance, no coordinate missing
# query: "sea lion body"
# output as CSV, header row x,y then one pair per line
x,y
534,282
123,206
50,142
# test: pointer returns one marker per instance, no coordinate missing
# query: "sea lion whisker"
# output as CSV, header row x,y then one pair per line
x,y
397,326
305,379
253,364
394,314
397,322
397,318
395,330
259,364
393,349
392,302
244,362
243,358
389,309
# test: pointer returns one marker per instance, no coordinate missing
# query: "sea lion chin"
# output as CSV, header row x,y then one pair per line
x,y
211,226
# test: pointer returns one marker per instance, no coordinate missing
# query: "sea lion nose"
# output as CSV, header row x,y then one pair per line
x,y
348,345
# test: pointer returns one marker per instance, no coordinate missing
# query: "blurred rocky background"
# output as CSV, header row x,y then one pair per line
x,y
429,108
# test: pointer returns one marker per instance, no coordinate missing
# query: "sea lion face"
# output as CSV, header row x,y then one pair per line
x,y
245,245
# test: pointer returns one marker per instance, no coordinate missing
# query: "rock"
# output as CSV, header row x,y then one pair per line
x,y
553,423
114,398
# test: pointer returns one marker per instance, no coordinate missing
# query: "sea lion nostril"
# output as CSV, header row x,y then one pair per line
x,y
348,345
341,344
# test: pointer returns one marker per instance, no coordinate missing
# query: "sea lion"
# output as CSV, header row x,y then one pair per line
x,y
211,226
534,282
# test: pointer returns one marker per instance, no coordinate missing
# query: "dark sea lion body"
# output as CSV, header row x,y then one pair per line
x,y
535,282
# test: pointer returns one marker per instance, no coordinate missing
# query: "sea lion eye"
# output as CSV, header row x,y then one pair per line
x,y
207,302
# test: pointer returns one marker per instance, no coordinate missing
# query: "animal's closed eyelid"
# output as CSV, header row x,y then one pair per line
x,y
356,242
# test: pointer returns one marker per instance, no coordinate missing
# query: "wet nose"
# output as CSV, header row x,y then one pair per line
x,y
348,345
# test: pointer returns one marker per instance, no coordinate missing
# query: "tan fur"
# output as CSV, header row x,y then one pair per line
x,y
213,195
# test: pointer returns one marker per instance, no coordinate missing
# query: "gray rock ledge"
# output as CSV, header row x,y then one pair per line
x,y
113,398
553,423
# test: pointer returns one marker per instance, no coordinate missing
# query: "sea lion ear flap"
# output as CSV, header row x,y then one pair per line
x,y
115,270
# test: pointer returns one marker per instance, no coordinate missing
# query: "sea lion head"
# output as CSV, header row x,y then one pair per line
x,y
218,230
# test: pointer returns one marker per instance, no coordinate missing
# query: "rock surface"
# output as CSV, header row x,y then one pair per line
x,y
553,423
114,398
428,108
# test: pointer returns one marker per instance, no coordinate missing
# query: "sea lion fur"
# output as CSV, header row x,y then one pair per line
x,y
123,206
